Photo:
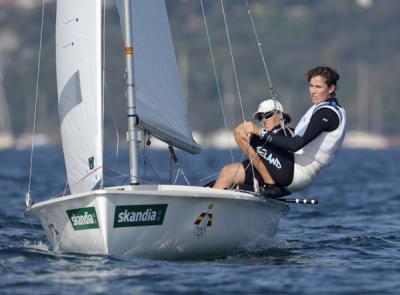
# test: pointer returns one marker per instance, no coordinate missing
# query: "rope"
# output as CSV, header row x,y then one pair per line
x,y
148,163
282,123
68,188
237,84
233,60
216,77
36,100
233,65
146,160
274,94
180,169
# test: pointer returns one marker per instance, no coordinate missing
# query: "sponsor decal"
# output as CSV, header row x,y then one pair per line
x,y
139,215
91,163
83,218
203,221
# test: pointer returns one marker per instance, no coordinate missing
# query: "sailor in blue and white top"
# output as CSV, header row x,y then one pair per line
x,y
320,132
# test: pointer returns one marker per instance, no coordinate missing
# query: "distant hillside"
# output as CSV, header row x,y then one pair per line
x,y
363,43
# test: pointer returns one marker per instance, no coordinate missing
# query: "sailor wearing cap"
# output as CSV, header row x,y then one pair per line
x,y
320,132
316,140
275,163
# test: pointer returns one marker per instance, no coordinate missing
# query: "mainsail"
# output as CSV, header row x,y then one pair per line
x,y
78,59
158,90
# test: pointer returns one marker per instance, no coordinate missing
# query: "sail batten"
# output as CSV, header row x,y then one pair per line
x,y
78,60
158,90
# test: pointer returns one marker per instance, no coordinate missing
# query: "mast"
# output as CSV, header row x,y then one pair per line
x,y
133,133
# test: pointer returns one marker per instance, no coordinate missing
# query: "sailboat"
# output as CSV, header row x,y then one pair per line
x,y
7,139
160,221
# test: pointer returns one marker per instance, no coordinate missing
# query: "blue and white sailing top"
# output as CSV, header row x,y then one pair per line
x,y
323,148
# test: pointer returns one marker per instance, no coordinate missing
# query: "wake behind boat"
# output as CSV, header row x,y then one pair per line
x,y
155,221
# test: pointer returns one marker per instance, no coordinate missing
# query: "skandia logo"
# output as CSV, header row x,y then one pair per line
x,y
139,215
86,218
83,218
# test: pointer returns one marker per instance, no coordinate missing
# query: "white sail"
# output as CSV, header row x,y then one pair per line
x,y
78,58
158,90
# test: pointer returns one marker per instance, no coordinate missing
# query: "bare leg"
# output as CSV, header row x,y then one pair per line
x,y
230,174
242,136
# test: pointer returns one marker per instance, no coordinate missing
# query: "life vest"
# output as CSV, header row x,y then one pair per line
x,y
320,152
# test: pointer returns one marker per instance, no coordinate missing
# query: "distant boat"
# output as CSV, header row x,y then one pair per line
x,y
7,139
156,221
221,139
365,140
24,141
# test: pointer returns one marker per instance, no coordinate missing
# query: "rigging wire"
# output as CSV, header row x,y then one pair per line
x,y
144,154
28,198
274,93
233,64
271,87
238,89
237,84
178,164
216,77
233,60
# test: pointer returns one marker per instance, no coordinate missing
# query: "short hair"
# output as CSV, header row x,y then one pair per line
x,y
286,118
331,75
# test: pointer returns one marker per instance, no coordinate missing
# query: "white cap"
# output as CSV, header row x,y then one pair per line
x,y
266,106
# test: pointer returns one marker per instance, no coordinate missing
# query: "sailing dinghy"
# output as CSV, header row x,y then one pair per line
x,y
153,221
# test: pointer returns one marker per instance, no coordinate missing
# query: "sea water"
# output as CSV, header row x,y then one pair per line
x,y
347,244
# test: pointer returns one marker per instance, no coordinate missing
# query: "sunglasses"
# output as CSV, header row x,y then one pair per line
x,y
266,115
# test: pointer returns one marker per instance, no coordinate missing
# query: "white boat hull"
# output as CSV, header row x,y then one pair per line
x,y
160,222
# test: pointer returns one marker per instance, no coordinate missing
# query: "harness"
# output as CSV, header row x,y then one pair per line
x,y
331,104
285,129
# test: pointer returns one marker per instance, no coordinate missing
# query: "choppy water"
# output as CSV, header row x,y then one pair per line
x,y
348,244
